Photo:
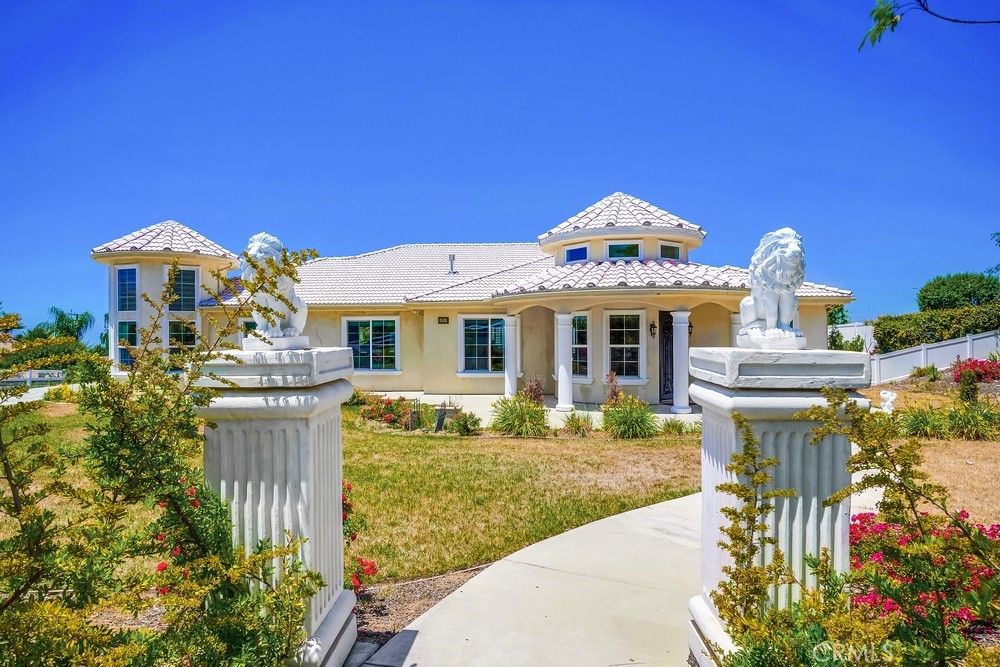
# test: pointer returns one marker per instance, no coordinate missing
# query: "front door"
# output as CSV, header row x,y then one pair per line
x,y
666,326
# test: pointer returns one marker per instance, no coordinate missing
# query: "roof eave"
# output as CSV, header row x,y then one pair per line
x,y
694,237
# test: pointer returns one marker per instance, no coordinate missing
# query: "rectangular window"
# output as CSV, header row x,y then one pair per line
x,y
127,332
623,251
126,290
580,347
577,254
624,339
180,334
668,251
483,344
184,287
373,343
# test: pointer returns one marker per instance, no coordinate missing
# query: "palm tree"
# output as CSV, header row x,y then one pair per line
x,y
70,324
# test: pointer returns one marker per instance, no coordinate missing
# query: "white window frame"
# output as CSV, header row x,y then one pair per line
x,y
114,288
607,250
460,340
670,244
193,315
577,379
641,379
585,246
118,338
368,318
241,335
197,285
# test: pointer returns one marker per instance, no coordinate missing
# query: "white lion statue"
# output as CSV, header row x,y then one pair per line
x,y
260,247
777,269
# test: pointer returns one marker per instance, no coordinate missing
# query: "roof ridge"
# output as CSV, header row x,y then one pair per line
x,y
410,297
414,245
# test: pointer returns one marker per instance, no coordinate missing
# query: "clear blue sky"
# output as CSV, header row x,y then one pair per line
x,y
347,127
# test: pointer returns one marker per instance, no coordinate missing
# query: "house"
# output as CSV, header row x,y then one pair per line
x,y
613,288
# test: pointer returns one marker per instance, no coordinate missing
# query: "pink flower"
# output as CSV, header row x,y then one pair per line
x,y
876,557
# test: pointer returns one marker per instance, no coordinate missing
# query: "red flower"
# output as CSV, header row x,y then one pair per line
x,y
163,503
163,590
176,550
355,581
191,491
345,515
161,537
163,565
195,504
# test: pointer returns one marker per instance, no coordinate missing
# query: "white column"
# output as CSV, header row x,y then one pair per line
x,y
564,362
276,456
680,318
509,355
727,381
735,324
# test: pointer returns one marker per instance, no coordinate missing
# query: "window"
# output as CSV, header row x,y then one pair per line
x,y
127,332
580,346
670,251
577,254
627,250
373,343
127,289
184,287
624,341
483,344
180,334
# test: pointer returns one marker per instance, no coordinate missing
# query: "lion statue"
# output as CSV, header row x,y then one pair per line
x,y
777,269
260,247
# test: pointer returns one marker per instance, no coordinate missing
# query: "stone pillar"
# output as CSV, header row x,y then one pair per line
x,y
735,324
276,456
564,362
769,387
680,318
509,355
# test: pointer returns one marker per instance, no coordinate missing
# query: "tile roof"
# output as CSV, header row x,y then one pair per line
x,y
167,236
651,274
404,273
622,210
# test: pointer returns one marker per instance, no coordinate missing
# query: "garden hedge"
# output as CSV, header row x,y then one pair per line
x,y
897,332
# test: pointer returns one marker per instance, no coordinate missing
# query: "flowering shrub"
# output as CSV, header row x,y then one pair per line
x,y
464,423
359,572
984,370
392,413
62,393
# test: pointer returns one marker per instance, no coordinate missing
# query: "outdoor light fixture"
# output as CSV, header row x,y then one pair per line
x,y
652,329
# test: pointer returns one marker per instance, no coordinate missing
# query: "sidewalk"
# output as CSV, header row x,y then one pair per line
x,y
612,592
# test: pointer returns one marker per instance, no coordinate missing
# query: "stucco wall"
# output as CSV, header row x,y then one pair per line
x,y
812,322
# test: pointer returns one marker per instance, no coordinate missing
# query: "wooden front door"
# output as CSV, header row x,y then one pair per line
x,y
666,327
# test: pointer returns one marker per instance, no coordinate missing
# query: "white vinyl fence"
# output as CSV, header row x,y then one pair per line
x,y
855,329
897,365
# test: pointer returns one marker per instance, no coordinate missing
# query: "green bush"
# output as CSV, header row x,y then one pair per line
x,y
958,290
62,393
464,423
360,397
974,421
520,416
968,388
630,417
835,341
924,423
929,373
578,424
897,332
674,426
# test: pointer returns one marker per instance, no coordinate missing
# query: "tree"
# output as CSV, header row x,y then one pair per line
x,y
887,14
958,290
837,315
70,324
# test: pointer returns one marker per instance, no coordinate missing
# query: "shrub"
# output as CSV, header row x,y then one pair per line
x,y
984,371
979,420
360,397
923,423
393,413
929,373
674,426
464,423
993,356
896,332
520,416
968,390
957,290
694,428
578,424
534,390
629,418
62,393
835,341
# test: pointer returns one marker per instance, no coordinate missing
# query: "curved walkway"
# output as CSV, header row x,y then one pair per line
x,y
611,593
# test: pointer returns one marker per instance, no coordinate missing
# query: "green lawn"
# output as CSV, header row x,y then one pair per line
x,y
439,503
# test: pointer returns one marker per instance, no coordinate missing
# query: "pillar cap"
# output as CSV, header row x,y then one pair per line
x,y
282,369
744,368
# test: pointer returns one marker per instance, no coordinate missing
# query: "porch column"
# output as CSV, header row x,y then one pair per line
x,y
680,318
564,362
509,355
735,324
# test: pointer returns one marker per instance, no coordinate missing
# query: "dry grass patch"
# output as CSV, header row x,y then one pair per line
x,y
914,394
436,504
969,470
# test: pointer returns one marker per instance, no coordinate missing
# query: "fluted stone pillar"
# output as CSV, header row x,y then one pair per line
x,y
769,387
681,341
509,355
276,456
564,362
